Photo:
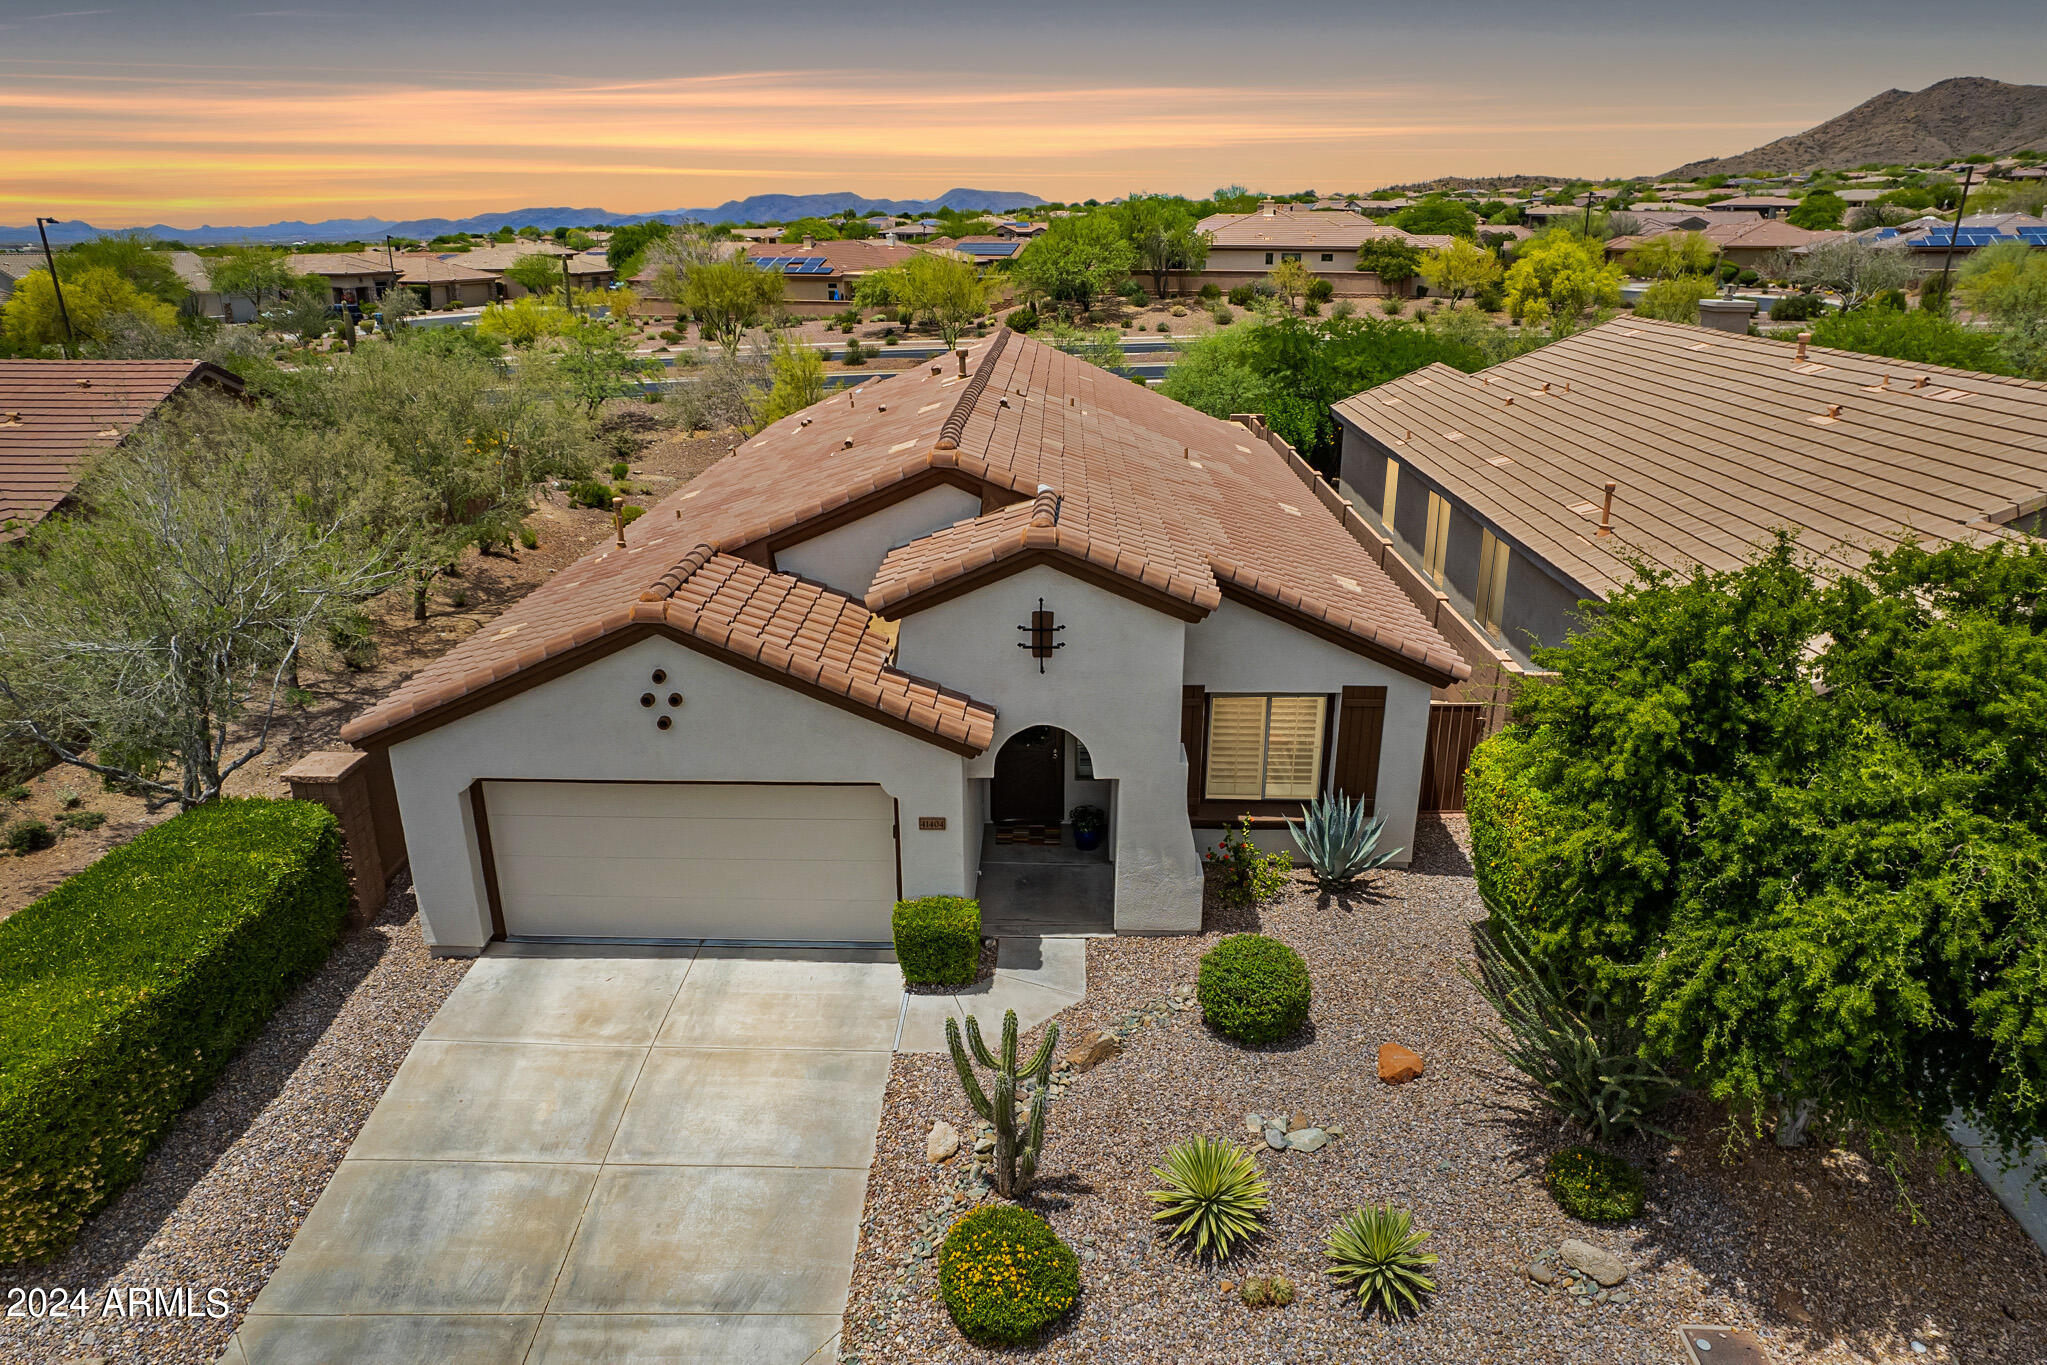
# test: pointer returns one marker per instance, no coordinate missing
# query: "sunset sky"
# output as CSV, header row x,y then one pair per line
x,y
186,113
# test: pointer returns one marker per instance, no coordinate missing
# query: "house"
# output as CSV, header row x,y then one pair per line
x,y
1933,240
200,296
1751,242
913,230
55,415
758,234
448,280
1767,205
821,277
935,611
1244,247
352,276
585,269
15,266
981,250
1019,231
1529,488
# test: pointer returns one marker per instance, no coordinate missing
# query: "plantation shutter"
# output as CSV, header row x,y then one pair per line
x,y
1358,728
1293,749
1236,749
1193,731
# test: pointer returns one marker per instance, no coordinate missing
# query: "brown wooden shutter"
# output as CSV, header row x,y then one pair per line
x,y
1193,731
1358,729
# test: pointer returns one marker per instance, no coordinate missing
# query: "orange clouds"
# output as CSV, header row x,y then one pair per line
x,y
180,146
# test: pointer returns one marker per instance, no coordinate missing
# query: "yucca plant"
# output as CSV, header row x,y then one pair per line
x,y
1340,841
1586,1064
1377,1251
1214,1195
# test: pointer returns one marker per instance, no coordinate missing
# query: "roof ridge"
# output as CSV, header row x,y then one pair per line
x,y
682,571
956,420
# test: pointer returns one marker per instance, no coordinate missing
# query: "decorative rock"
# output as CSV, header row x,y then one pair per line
x,y
1275,1139
1226,1288
1254,1124
1334,1130
1307,1140
1093,1052
1600,1297
942,1144
1296,1121
1542,1274
1398,1064
1602,1266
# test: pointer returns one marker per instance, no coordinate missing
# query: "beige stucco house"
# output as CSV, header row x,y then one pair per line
x,y
1244,247
888,633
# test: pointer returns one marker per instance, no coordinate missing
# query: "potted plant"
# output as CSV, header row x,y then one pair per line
x,y
1088,823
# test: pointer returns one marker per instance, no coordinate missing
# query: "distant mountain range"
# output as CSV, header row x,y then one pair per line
x,y
1961,116
759,208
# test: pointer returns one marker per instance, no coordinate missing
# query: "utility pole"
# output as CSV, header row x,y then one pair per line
x,y
568,300
1590,199
1968,178
70,337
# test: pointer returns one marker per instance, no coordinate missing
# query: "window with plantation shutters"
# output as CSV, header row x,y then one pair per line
x,y
1265,748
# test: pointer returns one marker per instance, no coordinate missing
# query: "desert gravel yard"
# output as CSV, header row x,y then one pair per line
x,y
1809,1249
223,1195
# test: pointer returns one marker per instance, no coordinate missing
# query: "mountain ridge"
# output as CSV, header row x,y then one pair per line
x,y
1957,117
754,208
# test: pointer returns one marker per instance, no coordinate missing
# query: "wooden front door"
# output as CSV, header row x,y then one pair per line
x,y
1030,778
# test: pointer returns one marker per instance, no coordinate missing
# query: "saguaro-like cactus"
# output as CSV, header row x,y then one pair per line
x,y
1015,1162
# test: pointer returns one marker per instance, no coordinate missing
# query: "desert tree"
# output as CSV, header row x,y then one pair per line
x,y
538,273
727,297
1166,235
1460,268
1855,269
254,273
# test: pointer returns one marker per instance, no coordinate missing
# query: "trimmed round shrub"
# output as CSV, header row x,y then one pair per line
x,y
938,940
1254,989
1594,1186
1243,296
1005,1276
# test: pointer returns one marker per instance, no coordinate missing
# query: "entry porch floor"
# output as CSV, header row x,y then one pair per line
x,y
1028,890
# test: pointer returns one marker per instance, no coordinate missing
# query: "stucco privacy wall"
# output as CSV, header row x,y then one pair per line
x,y
847,557
589,725
1115,685
1240,649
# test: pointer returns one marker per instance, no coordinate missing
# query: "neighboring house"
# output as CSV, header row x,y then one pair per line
x,y
983,250
759,234
353,276
15,266
1244,247
945,605
1750,242
1496,485
55,415
821,277
1933,239
201,297
914,230
586,269
1017,231
1766,205
447,281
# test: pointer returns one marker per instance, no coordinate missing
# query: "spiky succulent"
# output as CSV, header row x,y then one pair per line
x,y
1377,1251
1340,841
1214,1195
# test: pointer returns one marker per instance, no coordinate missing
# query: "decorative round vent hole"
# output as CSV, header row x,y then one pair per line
x,y
646,698
675,698
660,675
664,722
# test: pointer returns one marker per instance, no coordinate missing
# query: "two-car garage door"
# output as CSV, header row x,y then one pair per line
x,y
692,860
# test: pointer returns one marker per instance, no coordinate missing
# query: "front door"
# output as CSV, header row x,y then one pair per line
x,y
1030,778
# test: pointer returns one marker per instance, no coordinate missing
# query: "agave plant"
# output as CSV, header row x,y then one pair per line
x,y
1214,1194
1378,1251
1341,842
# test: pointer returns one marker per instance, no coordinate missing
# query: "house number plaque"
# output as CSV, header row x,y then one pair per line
x,y
931,822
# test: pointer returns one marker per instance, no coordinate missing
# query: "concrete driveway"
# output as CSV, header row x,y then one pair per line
x,y
604,1153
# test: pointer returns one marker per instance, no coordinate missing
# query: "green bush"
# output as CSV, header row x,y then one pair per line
x,y
620,468
1243,296
16,793
1005,1276
1254,989
591,493
1797,308
529,538
27,836
1390,305
1321,291
82,819
1594,1186
124,992
1021,319
1210,292
1224,317
1676,299
938,940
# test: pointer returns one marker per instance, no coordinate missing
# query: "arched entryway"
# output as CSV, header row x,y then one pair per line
x,y
1030,779
1035,878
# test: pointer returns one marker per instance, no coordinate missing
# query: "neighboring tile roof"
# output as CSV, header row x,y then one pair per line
x,y
499,257
1312,230
841,258
1167,499
420,268
55,414
1715,440
340,263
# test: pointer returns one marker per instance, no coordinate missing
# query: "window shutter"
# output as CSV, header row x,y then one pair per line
x,y
1236,749
1357,744
1293,754
1193,714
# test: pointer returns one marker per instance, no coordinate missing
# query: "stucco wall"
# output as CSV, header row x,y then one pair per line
x,y
731,727
1115,685
1239,649
846,558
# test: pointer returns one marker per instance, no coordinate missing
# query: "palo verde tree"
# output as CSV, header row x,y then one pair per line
x,y
1166,236
945,291
1459,269
1557,277
1077,260
538,273
727,297
1795,827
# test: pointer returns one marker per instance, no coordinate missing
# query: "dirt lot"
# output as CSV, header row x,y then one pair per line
x,y
485,586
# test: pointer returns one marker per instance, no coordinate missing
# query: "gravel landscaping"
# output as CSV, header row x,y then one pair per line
x,y
224,1193
1811,1249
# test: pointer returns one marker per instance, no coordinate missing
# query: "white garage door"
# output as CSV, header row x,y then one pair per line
x,y
693,860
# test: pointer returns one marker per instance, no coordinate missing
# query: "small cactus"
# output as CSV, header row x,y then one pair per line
x,y
1014,1163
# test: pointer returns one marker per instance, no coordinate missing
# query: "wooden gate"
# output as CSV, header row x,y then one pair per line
x,y
1455,728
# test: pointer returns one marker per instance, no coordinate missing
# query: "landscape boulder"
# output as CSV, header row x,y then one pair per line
x,y
1093,1052
1397,1064
943,1142
1588,1259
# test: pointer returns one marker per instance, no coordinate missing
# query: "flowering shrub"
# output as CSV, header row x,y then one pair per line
x,y
1249,874
1593,1186
1005,1276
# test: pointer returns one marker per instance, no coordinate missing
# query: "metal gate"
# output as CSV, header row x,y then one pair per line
x,y
1455,728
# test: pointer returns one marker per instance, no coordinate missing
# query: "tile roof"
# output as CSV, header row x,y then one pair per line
x,y
339,263
1314,229
426,268
1715,440
1179,505
844,257
500,257
55,414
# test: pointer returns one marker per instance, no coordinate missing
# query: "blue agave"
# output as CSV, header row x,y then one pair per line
x,y
1340,842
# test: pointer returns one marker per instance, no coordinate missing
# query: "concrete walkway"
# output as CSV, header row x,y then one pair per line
x,y
622,1153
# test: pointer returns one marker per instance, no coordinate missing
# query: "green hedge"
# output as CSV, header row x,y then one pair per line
x,y
1254,989
1505,814
124,992
938,940
1005,1276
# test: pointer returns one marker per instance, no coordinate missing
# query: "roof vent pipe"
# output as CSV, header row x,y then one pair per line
x,y
618,517
962,354
1606,510
1803,338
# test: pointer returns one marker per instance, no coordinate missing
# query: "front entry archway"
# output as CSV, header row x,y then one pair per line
x,y
1029,787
